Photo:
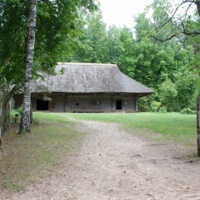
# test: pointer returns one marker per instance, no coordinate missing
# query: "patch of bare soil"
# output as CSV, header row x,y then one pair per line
x,y
115,165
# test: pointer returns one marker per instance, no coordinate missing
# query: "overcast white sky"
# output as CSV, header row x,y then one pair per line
x,y
121,12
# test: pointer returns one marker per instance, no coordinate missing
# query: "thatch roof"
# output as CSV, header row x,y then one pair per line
x,y
89,78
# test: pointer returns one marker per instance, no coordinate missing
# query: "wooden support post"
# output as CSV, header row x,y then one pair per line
x,y
65,102
198,125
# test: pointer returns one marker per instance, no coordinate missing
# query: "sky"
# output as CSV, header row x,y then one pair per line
x,y
121,12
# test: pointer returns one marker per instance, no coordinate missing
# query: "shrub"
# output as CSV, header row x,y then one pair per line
x,y
19,110
188,111
36,121
155,105
163,109
144,104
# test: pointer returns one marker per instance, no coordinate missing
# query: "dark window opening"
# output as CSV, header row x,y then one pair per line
x,y
119,105
42,105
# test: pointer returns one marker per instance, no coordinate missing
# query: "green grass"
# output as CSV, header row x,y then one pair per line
x,y
29,157
163,126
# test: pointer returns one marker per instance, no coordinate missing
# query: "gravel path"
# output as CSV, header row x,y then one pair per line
x,y
115,165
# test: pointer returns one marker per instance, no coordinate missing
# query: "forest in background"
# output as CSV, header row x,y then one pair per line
x,y
168,66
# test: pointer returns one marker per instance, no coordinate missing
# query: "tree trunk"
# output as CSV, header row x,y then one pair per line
x,y
198,100
1,113
26,115
5,116
1,133
4,111
198,6
198,125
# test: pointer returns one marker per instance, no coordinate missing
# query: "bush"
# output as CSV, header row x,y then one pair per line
x,y
155,105
163,110
188,111
36,121
144,104
20,110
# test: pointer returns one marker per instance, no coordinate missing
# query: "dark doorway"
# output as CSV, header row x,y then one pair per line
x,y
119,105
42,105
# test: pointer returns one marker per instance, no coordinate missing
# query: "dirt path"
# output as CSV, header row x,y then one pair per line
x,y
115,165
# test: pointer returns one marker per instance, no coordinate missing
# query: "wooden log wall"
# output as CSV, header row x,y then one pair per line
x,y
99,103
61,102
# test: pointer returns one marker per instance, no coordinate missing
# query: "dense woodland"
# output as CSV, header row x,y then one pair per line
x,y
161,50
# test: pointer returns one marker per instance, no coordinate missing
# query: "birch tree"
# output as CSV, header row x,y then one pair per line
x,y
26,116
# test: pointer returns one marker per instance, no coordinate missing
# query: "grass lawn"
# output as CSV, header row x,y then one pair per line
x,y
29,157
163,126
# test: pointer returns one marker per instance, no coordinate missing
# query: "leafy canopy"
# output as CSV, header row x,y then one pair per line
x,y
57,22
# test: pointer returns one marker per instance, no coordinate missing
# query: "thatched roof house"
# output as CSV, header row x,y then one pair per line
x,y
87,87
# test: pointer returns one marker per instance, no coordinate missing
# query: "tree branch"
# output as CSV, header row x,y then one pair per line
x,y
188,9
184,30
170,19
166,39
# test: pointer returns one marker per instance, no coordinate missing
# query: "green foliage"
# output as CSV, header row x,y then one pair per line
x,y
96,44
167,92
20,110
142,27
91,43
155,105
187,81
163,110
144,104
167,68
57,27
188,111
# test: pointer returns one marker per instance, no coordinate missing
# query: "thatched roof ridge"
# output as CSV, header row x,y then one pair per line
x,y
89,78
